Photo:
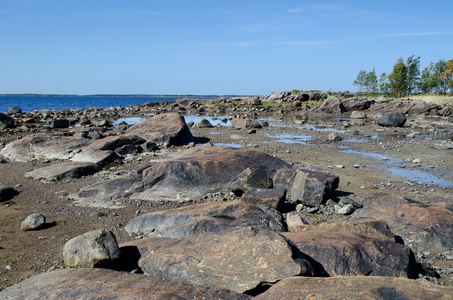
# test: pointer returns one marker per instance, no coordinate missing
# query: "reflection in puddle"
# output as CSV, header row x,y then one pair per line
x,y
220,121
395,168
291,138
231,145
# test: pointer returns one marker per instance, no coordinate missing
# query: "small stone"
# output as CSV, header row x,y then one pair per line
x,y
346,210
417,161
339,166
34,221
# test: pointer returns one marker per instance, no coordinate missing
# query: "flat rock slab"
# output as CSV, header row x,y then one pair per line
x,y
420,226
43,147
65,170
356,287
195,173
169,128
205,217
369,227
348,254
87,284
237,259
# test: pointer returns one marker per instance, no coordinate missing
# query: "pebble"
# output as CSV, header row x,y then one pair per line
x,y
339,166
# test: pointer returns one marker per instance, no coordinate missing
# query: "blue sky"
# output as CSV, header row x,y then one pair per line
x,y
247,47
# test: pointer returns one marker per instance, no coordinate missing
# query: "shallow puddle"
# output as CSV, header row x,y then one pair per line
x,y
398,168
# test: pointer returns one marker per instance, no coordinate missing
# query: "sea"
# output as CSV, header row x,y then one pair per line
x,y
29,103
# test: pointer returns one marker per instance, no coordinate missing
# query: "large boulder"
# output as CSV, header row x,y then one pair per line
x,y
169,129
348,253
334,106
244,123
420,226
43,147
306,186
236,259
6,121
392,120
356,287
94,249
64,170
195,173
88,284
205,217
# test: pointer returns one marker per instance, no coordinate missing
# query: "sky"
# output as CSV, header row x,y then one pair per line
x,y
212,47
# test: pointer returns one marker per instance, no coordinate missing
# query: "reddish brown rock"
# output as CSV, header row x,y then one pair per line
x,y
169,129
369,227
236,259
356,287
244,123
420,226
204,217
197,172
348,253
87,284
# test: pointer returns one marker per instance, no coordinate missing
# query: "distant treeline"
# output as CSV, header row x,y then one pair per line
x,y
406,78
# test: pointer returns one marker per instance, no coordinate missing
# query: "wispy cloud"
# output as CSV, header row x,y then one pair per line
x,y
419,34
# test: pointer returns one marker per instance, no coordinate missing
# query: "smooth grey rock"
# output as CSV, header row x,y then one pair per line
x,y
275,198
34,221
14,110
94,249
392,120
346,210
203,123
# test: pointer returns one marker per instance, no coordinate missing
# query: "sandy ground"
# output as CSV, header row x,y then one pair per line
x,y
368,157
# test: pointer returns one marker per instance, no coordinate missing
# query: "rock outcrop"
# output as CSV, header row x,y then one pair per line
x,y
236,259
107,284
356,287
420,226
205,217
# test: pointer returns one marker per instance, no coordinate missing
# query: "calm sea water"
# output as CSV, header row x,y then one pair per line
x,y
30,103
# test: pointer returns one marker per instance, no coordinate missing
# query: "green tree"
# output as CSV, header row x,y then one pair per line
x,y
413,73
371,81
398,78
428,82
384,84
448,75
360,80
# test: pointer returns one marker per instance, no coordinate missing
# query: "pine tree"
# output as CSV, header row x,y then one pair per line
x,y
360,80
398,78
413,73
371,81
384,84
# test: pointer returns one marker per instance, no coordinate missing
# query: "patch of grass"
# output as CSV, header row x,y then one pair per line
x,y
437,99
65,222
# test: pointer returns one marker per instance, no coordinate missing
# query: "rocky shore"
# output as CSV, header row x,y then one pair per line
x,y
273,197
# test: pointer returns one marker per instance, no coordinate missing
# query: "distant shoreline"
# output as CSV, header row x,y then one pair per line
x,y
120,95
